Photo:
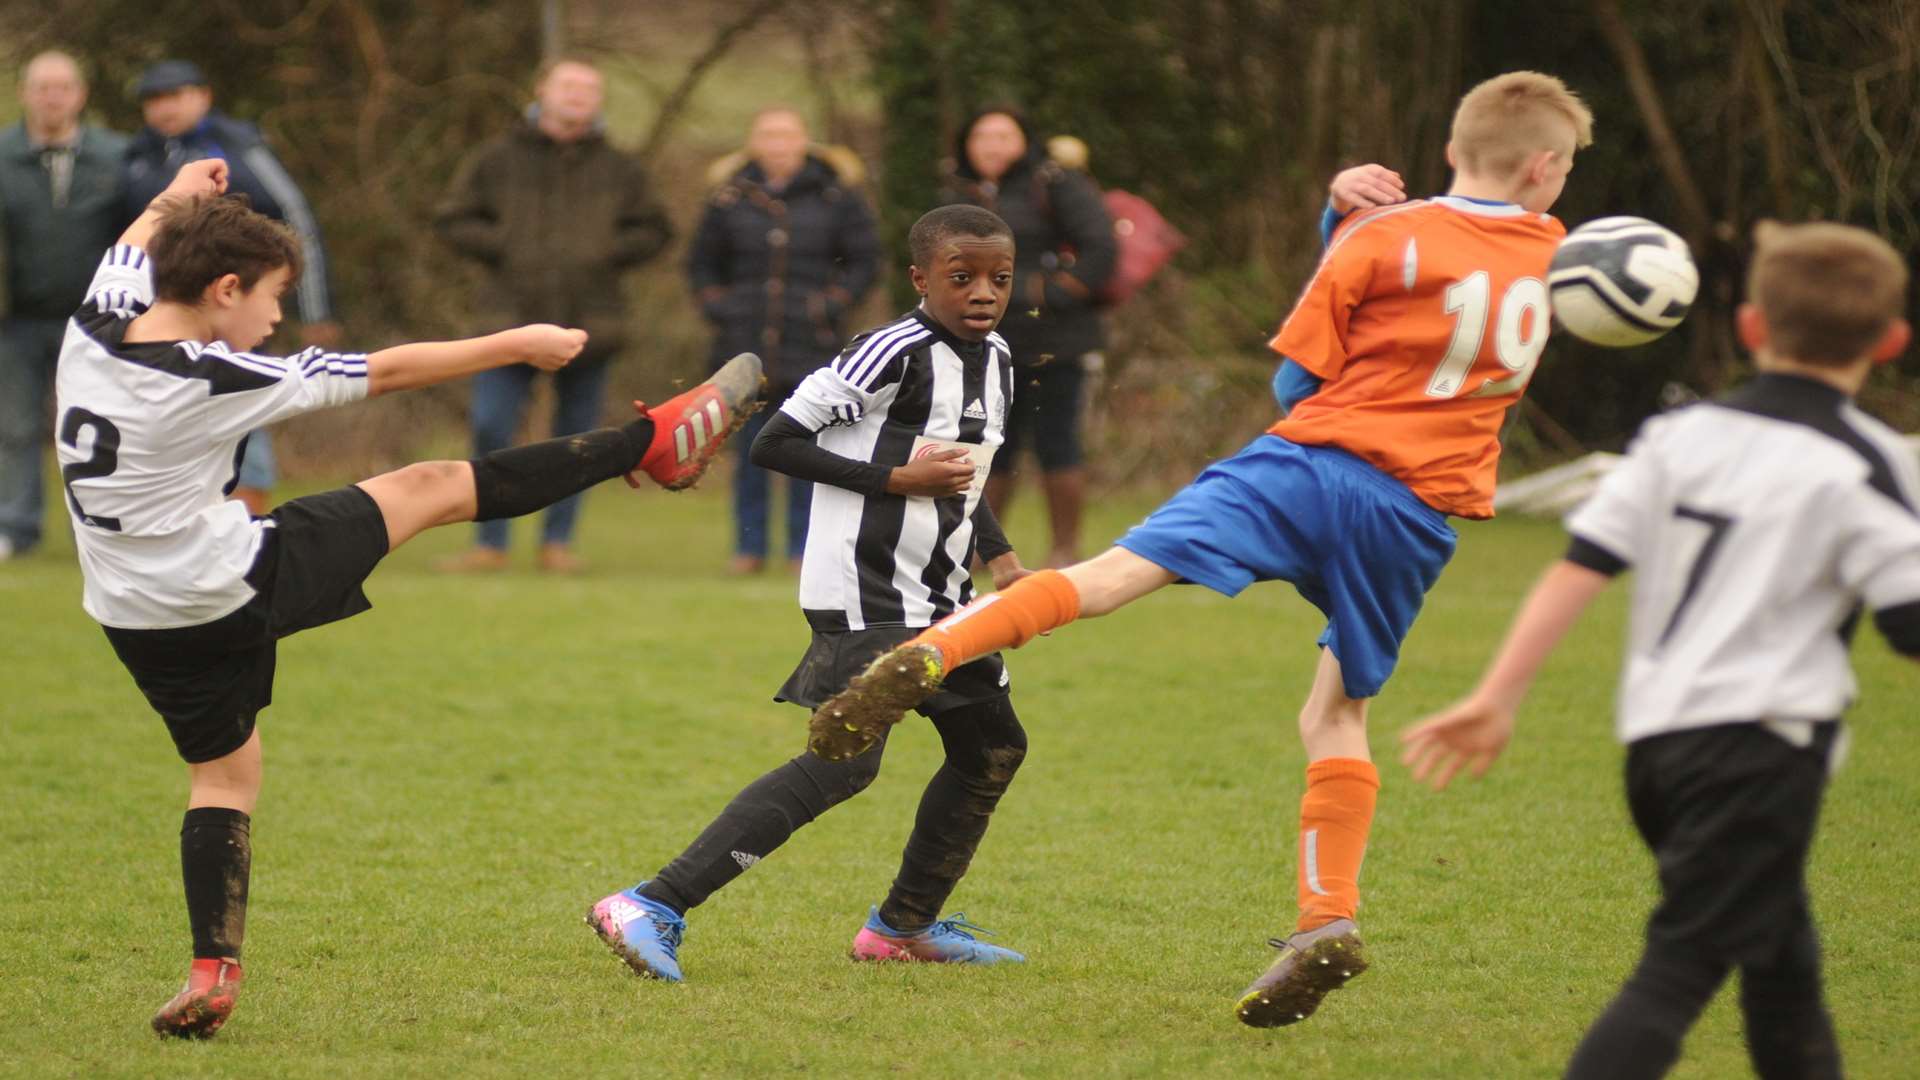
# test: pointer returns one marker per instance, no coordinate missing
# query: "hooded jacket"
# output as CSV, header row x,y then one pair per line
x,y
1061,229
252,170
553,225
776,271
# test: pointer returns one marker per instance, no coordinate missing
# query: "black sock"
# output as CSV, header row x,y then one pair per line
x,y
1640,1033
756,822
985,745
1789,1032
521,479
216,856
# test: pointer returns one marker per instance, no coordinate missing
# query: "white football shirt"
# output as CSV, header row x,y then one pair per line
x,y
1758,525
883,560
149,438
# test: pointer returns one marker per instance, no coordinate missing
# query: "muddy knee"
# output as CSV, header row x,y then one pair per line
x,y
838,781
1001,762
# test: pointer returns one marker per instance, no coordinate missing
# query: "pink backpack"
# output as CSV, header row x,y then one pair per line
x,y
1145,240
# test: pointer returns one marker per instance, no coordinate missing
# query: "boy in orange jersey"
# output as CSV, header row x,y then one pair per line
x,y
1417,333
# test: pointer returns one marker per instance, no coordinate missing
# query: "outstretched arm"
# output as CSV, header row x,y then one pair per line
x,y
205,177
1472,733
424,363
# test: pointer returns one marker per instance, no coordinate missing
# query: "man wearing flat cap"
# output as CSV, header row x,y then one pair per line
x,y
182,126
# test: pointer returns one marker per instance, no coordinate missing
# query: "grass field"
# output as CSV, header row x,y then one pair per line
x,y
454,777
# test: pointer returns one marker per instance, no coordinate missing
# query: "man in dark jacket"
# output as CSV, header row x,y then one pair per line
x,y
59,211
183,126
176,100
1063,254
786,246
553,214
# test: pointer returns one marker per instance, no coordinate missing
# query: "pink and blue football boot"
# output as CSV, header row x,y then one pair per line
x,y
645,933
945,942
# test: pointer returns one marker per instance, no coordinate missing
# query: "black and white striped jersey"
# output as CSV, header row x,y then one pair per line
x,y
887,560
1758,525
149,438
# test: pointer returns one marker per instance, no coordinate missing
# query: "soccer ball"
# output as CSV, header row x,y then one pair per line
x,y
1621,281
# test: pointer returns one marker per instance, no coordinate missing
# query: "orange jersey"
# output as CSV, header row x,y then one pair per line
x,y
1424,322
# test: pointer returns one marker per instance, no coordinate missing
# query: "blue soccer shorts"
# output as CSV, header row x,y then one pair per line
x,y
1355,542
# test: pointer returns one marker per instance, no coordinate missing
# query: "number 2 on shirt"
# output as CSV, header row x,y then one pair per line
x,y
104,459
1519,334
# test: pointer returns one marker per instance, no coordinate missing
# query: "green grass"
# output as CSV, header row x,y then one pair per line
x,y
454,777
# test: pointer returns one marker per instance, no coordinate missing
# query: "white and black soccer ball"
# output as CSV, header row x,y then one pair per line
x,y
1621,281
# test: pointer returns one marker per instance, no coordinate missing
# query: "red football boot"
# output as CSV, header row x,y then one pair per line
x,y
689,430
202,1005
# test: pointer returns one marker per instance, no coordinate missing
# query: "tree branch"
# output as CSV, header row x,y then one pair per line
x,y
723,40
1666,147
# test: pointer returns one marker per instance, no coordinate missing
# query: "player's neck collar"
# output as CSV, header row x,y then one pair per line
x,y
1467,204
966,349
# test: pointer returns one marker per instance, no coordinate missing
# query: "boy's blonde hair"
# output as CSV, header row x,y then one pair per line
x,y
1509,118
1827,292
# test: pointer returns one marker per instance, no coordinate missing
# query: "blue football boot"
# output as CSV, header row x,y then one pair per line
x,y
945,942
645,933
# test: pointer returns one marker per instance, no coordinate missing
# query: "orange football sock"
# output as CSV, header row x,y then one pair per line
x,y
1005,620
1335,815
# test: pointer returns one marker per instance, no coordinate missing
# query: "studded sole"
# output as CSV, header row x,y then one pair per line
x,y
1324,966
854,720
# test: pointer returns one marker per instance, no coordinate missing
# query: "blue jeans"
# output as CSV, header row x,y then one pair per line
x,y
258,467
500,400
753,496
29,351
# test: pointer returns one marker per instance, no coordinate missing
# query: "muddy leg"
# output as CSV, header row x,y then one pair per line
x,y
985,745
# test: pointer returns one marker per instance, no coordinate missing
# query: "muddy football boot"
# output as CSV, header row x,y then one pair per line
x,y
1311,963
945,942
689,430
204,1004
856,718
642,932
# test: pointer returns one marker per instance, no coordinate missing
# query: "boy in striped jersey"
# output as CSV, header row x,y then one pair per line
x,y
897,434
1759,526
1418,331
157,392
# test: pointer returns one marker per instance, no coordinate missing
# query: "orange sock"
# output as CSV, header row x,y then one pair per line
x,y
1005,620
1335,814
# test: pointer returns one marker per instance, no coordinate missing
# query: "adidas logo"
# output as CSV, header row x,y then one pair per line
x,y
624,911
700,427
975,411
745,860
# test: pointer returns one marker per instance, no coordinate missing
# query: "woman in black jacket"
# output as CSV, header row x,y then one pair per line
x,y
1063,254
786,246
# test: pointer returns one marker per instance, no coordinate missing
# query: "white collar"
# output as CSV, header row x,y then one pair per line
x,y
1483,209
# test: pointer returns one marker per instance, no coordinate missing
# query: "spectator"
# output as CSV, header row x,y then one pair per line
x,y
59,212
786,246
176,100
553,213
1064,252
